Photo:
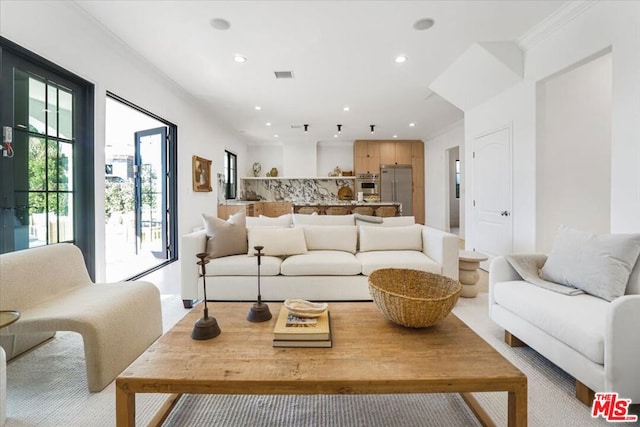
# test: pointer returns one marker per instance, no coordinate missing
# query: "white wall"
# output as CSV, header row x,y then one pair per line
x,y
574,151
436,182
269,156
606,25
300,159
62,33
514,108
334,153
601,26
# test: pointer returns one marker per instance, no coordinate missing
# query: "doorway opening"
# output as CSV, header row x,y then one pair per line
x,y
453,190
140,191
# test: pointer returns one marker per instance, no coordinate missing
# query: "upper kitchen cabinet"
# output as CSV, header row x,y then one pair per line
x,y
396,152
417,161
366,156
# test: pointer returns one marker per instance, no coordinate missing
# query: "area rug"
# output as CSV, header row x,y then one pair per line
x,y
47,387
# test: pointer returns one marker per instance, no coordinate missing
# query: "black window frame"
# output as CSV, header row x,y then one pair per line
x,y
84,148
230,170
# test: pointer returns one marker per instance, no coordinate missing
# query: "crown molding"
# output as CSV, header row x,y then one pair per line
x,y
558,19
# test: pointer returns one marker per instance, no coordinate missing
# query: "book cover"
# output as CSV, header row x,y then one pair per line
x,y
292,328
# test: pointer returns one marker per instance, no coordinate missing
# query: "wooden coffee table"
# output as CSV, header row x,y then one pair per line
x,y
370,355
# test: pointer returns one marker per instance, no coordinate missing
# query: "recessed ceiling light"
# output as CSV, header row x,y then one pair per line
x,y
276,135
220,24
423,24
257,107
347,108
400,59
395,136
335,136
412,124
268,123
239,58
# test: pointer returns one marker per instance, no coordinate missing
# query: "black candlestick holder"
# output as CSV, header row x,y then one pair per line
x,y
206,327
259,311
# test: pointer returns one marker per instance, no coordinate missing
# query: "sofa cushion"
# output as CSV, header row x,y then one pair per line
x,y
302,219
225,237
415,260
576,320
266,221
390,238
331,237
599,264
242,265
321,263
277,241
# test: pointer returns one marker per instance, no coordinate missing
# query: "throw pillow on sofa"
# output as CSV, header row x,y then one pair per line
x,y
225,237
374,238
331,237
277,241
599,264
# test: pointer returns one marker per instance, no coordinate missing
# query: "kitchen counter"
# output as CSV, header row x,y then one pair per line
x,y
346,207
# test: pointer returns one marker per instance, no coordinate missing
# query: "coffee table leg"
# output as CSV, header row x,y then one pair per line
x,y
125,408
517,408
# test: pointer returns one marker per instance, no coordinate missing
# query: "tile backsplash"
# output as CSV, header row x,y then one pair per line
x,y
293,189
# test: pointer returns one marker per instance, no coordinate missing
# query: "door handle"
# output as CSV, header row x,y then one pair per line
x,y
504,213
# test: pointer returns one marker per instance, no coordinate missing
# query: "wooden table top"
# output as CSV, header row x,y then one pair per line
x,y
369,355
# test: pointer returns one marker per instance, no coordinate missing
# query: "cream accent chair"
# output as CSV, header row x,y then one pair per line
x,y
52,289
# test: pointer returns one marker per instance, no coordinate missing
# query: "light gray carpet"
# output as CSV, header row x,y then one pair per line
x,y
47,387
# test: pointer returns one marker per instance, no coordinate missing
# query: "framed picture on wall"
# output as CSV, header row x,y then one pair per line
x,y
201,174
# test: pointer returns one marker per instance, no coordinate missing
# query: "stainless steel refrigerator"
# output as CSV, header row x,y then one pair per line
x,y
396,185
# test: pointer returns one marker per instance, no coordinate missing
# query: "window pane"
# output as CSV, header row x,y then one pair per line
x,y
65,166
52,111
52,165
52,218
37,163
37,220
65,216
65,114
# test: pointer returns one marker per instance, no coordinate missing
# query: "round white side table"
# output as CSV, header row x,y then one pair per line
x,y
468,263
7,317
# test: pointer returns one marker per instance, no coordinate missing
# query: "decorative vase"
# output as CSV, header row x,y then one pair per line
x,y
273,172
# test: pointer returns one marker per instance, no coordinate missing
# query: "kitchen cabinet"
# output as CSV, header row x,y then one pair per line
x,y
225,211
418,204
395,152
366,156
275,209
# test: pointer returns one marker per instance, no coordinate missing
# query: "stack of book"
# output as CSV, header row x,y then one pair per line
x,y
293,331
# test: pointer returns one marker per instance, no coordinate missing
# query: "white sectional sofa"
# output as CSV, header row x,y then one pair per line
x,y
592,338
333,265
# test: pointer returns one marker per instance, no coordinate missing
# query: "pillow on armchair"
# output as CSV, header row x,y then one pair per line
x,y
225,237
599,264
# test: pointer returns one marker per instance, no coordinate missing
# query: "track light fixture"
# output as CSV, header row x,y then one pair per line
x,y
339,128
372,128
306,128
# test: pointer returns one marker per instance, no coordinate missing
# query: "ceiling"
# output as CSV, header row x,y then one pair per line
x,y
341,53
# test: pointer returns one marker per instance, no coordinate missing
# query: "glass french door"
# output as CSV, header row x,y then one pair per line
x,y
140,190
43,155
150,174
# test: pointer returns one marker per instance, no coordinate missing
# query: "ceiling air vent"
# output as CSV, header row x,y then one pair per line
x,y
283,74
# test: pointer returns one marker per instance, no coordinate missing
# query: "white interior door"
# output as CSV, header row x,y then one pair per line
x,y
492,198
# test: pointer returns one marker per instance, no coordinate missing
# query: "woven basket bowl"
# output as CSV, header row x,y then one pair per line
x,y
412,298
